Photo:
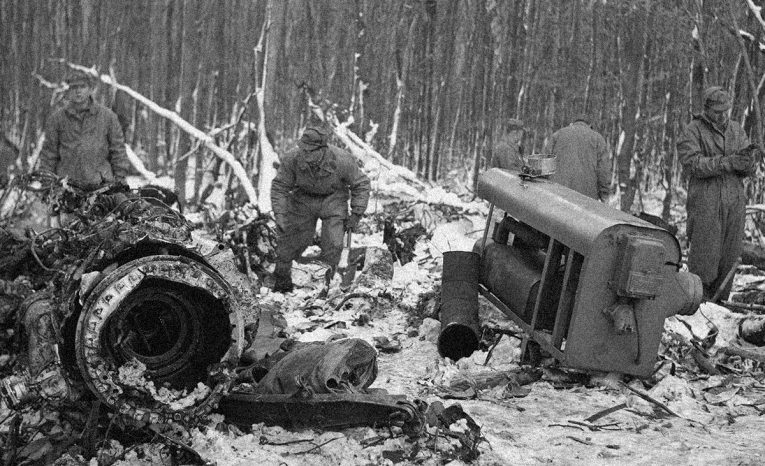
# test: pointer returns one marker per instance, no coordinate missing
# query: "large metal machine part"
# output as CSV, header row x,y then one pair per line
x,y
139,311
173,314
596,295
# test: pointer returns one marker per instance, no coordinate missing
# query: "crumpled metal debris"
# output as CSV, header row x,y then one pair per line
x,y
124,280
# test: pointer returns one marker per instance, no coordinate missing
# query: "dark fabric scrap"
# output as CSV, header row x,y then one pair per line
x,y
340,366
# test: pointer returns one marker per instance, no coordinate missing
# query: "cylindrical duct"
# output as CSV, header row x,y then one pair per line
x,y
460,329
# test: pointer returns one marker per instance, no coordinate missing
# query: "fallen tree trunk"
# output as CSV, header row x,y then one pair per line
x,y
184,125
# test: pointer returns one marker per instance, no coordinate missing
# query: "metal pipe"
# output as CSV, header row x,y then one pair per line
x,y
460,328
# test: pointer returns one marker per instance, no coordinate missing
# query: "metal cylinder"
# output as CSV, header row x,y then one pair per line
x,y
460,329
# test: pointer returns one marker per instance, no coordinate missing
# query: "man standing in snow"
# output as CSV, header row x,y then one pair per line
x,y
315,181
716,157
582,162
84,140
509,147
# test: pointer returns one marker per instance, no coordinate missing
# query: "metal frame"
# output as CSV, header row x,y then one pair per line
x,y
552,343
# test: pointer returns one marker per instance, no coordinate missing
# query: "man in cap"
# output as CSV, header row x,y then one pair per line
x,y
84,140
315,181
508,149
582,162
716,156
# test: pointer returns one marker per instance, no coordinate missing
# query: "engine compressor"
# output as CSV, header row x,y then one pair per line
x,y
136,312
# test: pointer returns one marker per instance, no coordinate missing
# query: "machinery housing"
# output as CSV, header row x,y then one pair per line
x,y
588,284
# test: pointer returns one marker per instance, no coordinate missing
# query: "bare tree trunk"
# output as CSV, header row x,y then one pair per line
x,y
187,53
757,126
634,52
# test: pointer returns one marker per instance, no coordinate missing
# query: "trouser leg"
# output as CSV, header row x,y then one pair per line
x,y
705,235
283,277
733,234
333,215
299,228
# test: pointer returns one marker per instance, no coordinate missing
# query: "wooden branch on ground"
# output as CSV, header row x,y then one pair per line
x,y
744,306
490,379
605,412
754,355
649,399
184,125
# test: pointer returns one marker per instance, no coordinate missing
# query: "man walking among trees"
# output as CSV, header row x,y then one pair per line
x,y
315,181
84,140
582,162
716,156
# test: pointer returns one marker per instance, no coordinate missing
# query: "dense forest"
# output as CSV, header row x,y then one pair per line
x,y
430,84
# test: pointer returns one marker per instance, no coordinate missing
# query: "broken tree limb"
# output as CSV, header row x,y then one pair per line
x,y
754,355
489,379
605,412
649,399
363,151
184,125
138,164
759,308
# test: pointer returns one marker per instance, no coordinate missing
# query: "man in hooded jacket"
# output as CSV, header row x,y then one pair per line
x,y
716,156
315,181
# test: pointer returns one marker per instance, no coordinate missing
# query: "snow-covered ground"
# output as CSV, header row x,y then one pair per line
x,y
718,418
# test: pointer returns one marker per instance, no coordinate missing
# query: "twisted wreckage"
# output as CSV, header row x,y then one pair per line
x,y
126,303
129,305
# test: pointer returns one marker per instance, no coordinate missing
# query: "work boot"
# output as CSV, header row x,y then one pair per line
x,y
283,277
328,275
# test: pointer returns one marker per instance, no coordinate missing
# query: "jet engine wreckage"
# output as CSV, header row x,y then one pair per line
x,y
131,307
127,286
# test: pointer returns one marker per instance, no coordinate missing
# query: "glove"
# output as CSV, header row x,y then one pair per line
x,y
352,222
742,162
737,163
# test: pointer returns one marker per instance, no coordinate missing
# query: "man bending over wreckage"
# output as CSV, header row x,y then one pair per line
x,y
315,181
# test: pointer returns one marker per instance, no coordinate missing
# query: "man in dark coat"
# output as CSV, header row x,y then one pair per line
x,y
582,162
84,140
508,149
711,149
315,181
